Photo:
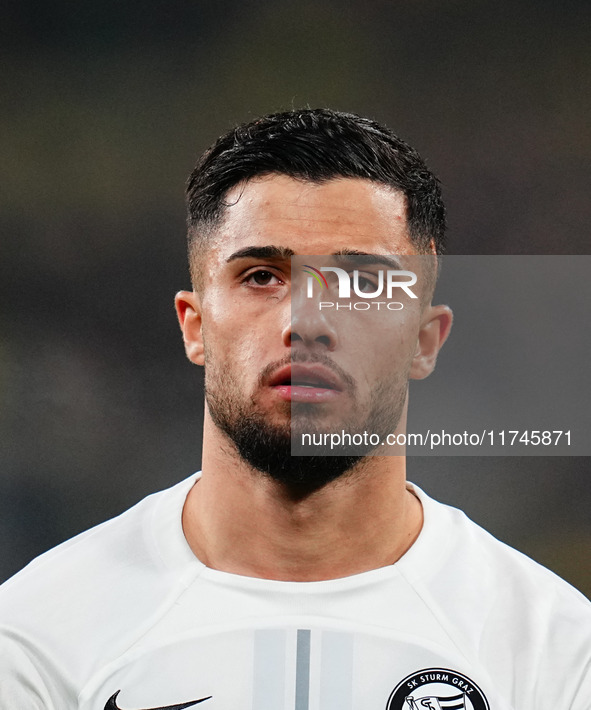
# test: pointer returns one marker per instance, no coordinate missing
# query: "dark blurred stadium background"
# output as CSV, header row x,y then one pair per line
x,y
106,106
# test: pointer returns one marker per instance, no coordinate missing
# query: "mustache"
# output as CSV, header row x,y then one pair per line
x,y
301,357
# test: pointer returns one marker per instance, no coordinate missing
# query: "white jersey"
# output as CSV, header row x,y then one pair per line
x,y
125,617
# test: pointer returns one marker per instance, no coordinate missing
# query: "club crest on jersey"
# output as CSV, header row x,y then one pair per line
x,y
437,689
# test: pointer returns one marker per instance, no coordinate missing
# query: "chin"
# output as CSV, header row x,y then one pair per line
x,y
269,451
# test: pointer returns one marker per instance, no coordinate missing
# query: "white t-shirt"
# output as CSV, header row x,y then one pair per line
x,y
461,621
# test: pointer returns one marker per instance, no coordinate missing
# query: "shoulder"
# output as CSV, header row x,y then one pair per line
x,y
450,538
462,555
514,614
81,594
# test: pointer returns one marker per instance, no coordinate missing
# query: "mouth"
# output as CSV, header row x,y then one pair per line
x,y
309,383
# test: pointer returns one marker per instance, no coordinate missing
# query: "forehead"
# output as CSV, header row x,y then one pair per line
x,y
312,218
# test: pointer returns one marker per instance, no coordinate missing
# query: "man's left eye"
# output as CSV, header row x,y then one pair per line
x,y
364,284
262,278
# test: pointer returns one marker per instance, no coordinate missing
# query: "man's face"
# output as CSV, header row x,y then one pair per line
x,y
274,362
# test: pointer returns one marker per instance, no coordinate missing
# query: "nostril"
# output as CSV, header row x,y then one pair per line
x,y
324,340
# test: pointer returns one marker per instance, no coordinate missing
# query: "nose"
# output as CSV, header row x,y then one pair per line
x,y
310,326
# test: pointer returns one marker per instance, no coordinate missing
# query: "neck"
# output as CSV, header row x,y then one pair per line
x,y
238,520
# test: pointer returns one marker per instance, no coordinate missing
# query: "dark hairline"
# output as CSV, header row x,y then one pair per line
x,y
316,145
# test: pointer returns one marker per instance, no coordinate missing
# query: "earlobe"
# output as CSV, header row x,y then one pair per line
x,y
188,310
435,327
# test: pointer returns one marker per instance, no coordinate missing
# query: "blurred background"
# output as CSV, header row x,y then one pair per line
x,y
106,106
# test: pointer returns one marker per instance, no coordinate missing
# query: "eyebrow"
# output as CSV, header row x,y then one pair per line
x,y
366,258
266,252
348,256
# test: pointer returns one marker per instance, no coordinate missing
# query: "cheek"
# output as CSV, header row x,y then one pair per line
x,y
381,351
242,327
389,336
231,347
220,322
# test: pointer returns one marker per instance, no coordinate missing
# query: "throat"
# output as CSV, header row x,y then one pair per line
x,y
250,526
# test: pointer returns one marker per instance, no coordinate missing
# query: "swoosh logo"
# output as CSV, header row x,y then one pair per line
x,y
112,704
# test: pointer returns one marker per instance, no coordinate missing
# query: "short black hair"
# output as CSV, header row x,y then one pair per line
x,y
315,145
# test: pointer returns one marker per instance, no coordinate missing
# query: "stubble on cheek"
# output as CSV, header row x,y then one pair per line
x,y
235,397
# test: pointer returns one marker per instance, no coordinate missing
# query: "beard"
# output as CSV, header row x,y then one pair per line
x,y
269,448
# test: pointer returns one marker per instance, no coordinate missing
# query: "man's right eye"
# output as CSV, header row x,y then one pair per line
x,y
262,277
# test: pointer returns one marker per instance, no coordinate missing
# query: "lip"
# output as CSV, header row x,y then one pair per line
x,y
306,382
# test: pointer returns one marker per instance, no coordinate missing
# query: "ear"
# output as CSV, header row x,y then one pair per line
x,y
435,327
188,310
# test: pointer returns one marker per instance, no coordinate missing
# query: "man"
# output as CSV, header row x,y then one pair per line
x,y
274,581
